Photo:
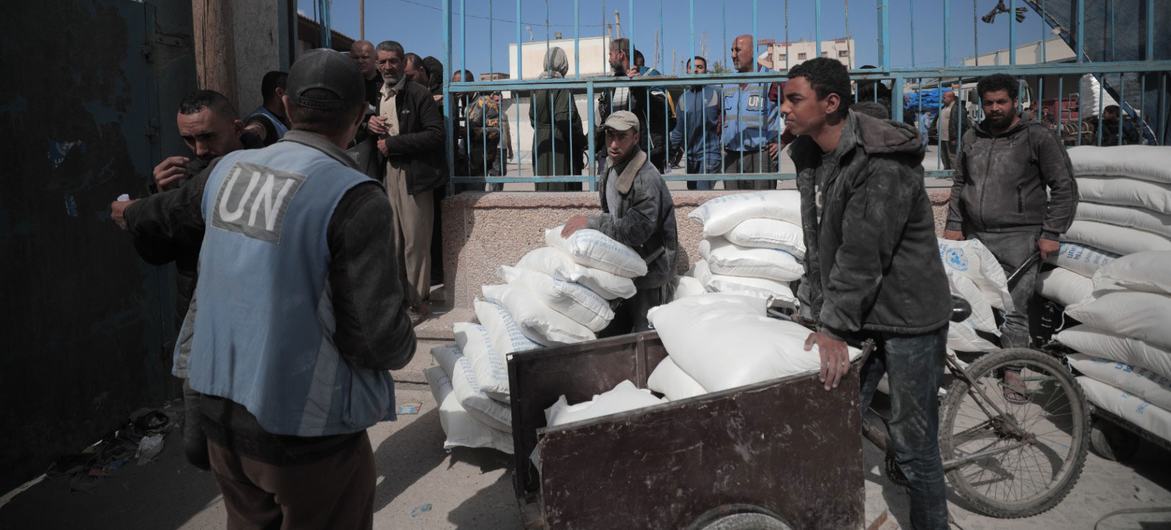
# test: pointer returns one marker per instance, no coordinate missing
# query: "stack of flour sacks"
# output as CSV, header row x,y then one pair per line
x,y
1124,207
1124,340
752,245
557,294
714,341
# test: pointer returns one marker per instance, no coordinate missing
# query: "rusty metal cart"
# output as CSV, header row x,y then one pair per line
x,y
783,453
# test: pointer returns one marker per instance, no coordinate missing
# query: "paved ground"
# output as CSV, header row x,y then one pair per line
x,y
422,486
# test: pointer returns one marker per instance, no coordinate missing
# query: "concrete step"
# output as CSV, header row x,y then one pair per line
x,y
412,373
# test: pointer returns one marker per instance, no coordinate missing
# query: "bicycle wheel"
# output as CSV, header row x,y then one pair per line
x,y
1011,459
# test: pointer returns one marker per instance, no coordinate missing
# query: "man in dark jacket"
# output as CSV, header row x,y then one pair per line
x,y
409,132
648,104
638,212
209,126
1014,191
872,265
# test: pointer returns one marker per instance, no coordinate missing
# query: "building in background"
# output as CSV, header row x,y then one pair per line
x,y
781,56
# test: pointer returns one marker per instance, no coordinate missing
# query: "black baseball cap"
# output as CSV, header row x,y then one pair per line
x,y
324,79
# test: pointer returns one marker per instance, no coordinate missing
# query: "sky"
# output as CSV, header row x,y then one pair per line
x,y
418,25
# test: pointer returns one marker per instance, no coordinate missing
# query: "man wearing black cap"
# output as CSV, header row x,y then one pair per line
x,y
638,212
298,313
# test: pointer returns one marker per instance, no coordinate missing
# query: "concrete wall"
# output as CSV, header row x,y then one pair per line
x,y
482,231
257,37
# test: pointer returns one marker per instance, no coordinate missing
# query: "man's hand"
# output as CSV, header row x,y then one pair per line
x,y
954,235
170,171
382,147
835,362
574,224
118,212
772,150
1047,247
377,125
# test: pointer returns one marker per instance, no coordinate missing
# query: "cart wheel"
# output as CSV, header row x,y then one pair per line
x,y
739,517
1112,443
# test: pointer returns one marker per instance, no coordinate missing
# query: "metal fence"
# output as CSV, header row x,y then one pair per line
x,y
1061,95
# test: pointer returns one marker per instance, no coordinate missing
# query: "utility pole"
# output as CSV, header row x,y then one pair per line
x,y
215,54
362,19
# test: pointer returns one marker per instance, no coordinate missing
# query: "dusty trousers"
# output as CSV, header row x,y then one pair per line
x,y
334,491
414,224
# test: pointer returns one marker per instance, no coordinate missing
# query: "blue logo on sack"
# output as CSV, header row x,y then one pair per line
x,y
954,258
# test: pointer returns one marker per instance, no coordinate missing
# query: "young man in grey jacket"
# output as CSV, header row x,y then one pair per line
x,y
872,267
1014,191
638,212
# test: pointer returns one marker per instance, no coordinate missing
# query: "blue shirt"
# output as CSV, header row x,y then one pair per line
x,y
751,119
698,124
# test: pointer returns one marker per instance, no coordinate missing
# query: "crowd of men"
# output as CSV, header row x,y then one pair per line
x,y
303,239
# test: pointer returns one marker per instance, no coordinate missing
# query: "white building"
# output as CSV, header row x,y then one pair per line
x,y
781,56
594,57
594,62
1055,50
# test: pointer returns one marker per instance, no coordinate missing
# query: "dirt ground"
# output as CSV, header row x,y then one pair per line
x,y
422,486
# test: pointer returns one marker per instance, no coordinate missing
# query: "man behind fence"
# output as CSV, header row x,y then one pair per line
x,y
751,124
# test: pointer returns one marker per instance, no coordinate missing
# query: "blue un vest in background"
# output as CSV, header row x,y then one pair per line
x,y
751,120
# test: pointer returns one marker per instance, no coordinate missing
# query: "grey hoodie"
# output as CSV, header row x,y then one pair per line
x,y
1018,180
872,258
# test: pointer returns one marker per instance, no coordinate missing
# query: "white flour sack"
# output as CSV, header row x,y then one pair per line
x,y
671,381
505,333
1141,383
461,429
560,265
1126,192
1117,239
594,249
489,411
1137,218
536,320
1081,259
688,286
1134,352
1143,162
982,317
445,357
724,341
769,233
757,287
570,299
973,260
621,398
721,214
491,367
1143,271
962,336
1064,287
1138,315
1150,418
723,257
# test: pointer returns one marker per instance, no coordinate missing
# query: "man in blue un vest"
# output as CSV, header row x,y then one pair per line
x,y
298,314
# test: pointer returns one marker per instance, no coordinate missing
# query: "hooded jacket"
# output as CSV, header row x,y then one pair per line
x,y
1018,180
872,259
644,218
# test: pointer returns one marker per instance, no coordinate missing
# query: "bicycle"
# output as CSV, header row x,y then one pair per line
x,y
1006,459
